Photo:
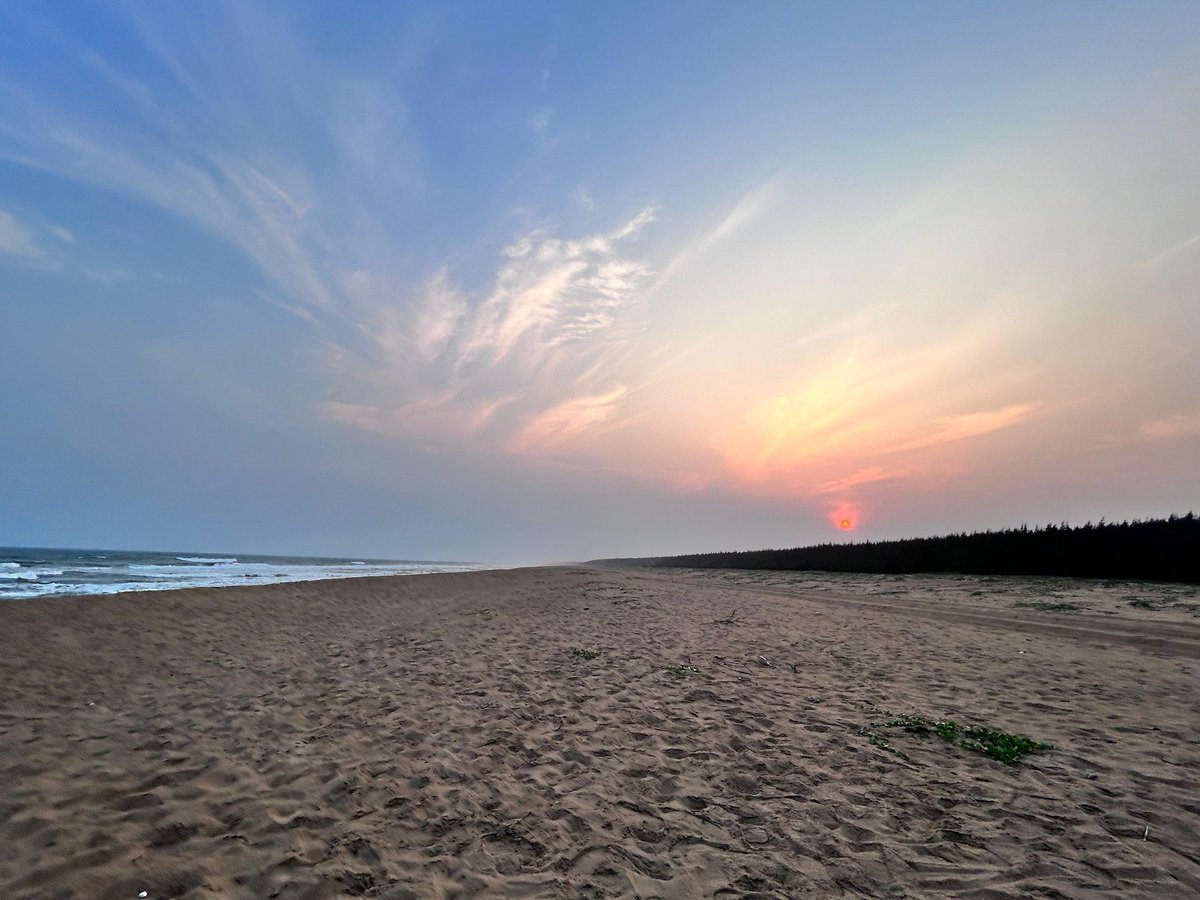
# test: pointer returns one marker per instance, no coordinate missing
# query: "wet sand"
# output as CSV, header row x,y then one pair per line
x,y
435,736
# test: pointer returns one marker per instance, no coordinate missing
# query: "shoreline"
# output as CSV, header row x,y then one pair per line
x,y
420,736
27,574
250,583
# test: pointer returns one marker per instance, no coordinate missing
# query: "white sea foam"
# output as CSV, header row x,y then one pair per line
x,y
10,565
158,577
207,559
29,574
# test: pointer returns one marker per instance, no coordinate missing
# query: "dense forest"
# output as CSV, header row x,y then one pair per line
x,y
1152,550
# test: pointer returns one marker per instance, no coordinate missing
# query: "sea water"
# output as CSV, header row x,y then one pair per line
x,y
38,572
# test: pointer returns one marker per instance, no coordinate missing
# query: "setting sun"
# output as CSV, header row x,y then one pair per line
x,y
844,516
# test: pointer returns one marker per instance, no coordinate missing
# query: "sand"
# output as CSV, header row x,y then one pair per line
x,y
434,736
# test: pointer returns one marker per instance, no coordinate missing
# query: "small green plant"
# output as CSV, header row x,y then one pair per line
x,y
1049,607
484,613
584,653
921,725
999,745
1008,748
683,671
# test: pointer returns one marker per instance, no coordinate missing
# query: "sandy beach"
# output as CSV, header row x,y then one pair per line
x,y
440,736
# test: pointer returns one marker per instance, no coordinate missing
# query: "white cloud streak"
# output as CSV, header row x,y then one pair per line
x,y
1160,258
750,207
33,242
1181,424
15,238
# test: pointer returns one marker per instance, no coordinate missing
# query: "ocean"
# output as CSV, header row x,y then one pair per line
x,y
27,572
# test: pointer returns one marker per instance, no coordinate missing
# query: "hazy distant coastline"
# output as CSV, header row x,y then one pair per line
x,y
1152,550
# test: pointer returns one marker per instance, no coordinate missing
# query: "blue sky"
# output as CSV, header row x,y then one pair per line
x,y
541,281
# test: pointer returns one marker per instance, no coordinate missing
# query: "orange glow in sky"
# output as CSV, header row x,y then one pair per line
x,y
845,516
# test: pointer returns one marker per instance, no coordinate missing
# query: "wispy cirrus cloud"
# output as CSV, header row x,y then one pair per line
x,y
32,241
15,238
553,292
1180,424
868,475
872,414
571,418
517,368
237,143
293,161
945,429
215,189
539,123
1161,257
748,208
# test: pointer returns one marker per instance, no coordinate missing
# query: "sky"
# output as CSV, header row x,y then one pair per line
x,y
529,282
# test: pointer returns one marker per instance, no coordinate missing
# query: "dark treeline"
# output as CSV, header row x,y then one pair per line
x,y
1153,550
